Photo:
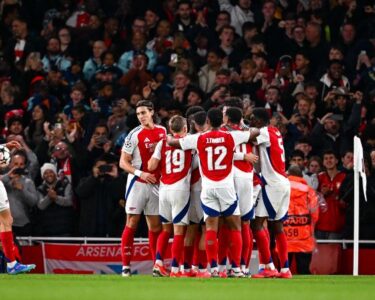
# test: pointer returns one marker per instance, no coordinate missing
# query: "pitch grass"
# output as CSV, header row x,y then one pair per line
x,y
92,287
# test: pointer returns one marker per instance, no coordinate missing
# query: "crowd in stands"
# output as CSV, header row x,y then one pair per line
x,y
71,73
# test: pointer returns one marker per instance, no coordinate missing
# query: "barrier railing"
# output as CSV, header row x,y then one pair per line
x,y
87,240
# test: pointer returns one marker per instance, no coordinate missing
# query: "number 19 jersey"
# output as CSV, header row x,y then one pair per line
x,y
175,166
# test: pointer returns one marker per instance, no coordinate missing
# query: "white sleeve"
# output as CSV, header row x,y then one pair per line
x,y
263,136
238,156
189,142
131,142
240,137
157,151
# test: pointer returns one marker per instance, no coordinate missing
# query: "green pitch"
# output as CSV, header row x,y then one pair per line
x,y
81,287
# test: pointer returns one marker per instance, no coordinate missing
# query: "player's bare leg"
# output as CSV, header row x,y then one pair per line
x,y
282,247
13,267
189,241
235,240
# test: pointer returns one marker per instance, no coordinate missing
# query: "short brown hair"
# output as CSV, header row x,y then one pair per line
x,y
177,123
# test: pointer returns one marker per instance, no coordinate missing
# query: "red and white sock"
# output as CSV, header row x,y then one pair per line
x,y
177,252
8,247
263,246
127,240
282,249
196,249
246,236
161,246
188,257
235,248
211,248
223,246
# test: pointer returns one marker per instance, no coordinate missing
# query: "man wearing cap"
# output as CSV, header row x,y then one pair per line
x,y
331,133
55,203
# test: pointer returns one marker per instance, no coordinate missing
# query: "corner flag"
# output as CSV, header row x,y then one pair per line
x,y
359,165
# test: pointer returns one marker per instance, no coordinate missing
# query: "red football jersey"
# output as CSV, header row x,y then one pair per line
x,y
333,218
175,165
244,148
272,156
141,143
215,151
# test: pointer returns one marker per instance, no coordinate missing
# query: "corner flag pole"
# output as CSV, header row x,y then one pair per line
x,y
356,221
358,169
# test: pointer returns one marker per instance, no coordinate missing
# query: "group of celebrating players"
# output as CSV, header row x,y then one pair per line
x,y
201,186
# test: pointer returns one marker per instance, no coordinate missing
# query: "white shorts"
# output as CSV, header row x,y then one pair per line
x,y
141,197
273,202
195,210
244,191
4,201
256,193
174,206
219,202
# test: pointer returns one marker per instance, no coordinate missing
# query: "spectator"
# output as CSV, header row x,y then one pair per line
x,y
20,45
152,18
226,37
54,57
99,143
331,133
207,73
138,44
298,159
71,165
101,199
331,222
317,48
55,204
137,76
239,13
22,194
93,63
334,78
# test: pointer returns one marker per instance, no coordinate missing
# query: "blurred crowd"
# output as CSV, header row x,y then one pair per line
x,y
71,73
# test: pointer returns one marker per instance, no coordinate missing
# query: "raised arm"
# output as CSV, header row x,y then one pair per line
x,y
254,132
173,142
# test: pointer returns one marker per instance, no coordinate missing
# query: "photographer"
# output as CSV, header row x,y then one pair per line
x,y
21,191
55,215
99,143
101,199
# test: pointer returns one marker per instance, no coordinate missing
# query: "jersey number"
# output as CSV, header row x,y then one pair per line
x,y
174,161
241,148
281,145
216,164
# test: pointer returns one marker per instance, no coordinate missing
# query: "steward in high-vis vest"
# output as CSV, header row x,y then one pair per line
x,y
303,213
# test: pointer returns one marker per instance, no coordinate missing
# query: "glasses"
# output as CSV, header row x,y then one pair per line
x,y
58,149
